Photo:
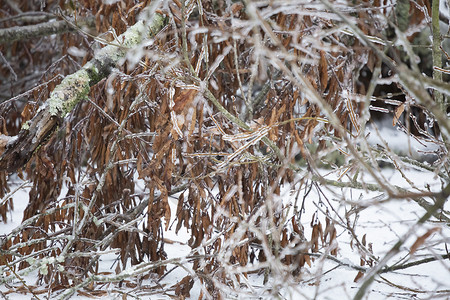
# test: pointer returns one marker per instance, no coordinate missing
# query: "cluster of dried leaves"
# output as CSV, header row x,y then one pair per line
x,y
212,111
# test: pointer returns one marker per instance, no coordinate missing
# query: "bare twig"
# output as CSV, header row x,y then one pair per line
x,y
367,281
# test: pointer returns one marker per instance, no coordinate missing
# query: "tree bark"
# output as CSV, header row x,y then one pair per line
x,y
71,91
9,35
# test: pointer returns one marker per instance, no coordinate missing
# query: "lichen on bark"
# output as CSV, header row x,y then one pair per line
x,y
72,90
68,93
75,87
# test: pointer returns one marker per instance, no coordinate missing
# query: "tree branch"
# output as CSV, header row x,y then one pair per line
x,y
71,91
441,197
414,263
437,54
9,35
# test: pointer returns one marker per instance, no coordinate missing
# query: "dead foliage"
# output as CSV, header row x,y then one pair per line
x,y
148,134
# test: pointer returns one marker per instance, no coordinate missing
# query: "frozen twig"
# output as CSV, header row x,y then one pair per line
x,y
31,221
414,263
141,268
400,194
414,82
440,198
10,194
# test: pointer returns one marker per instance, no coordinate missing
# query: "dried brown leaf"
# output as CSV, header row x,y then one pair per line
x,y
421,239
167,213
323,70
236,7
358,276
397,113
183,100
307,260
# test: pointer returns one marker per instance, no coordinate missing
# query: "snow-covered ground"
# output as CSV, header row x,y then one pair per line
x,y
383,222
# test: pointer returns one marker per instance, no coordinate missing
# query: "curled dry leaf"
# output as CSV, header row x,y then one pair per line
x,y
397,113
421,239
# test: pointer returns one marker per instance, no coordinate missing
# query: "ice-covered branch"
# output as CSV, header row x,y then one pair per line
x,y
72,90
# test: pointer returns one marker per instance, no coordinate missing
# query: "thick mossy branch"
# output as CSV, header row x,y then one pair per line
x,y
71,91
17,33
